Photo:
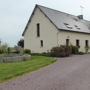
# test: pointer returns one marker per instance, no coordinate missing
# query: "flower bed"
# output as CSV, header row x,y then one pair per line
x,y
15,58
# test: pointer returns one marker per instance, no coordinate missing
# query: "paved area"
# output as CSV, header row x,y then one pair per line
x,y
72,73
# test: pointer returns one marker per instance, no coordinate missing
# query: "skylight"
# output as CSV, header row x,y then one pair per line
x,y
67,25
76,27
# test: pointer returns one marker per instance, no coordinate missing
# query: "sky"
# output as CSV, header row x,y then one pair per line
x,y
14,15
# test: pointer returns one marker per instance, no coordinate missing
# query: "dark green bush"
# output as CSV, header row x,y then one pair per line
x,y
8,50
27,51
45,54
87,49
60,51
81,53
41,54
74,49
1,51
36,54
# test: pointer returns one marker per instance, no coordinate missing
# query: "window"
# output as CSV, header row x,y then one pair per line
x,y
67,25
86,43
77,43
41,43
67,42
38,30
76,27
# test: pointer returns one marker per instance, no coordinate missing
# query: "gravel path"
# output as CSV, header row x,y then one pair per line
x,y
72,73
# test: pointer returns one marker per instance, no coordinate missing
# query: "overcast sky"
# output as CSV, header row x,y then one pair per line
x,y
14,14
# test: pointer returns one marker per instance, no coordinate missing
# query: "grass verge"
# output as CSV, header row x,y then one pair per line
x,y
11,70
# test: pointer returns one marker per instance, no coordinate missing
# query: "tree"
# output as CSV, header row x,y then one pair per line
x,y
21,43
0,41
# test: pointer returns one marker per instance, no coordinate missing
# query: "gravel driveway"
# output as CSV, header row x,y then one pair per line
x,y
72,73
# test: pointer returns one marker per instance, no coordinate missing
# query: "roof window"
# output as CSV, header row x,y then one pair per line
x,y
67,25
76,27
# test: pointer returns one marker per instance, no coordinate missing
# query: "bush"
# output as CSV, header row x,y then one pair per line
x,y
8,50
36,54
87,49
27,51
41,54
74,49
60,51
81,53
3,48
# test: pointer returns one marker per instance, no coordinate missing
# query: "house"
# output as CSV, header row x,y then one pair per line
x,y
48,28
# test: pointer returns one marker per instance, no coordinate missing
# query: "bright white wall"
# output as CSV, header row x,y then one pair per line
x,y
47,34
73,36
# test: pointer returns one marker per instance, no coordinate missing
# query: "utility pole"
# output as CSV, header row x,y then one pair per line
x,y
81,9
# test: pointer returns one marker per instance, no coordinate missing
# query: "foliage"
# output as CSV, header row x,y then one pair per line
x,y
3,48
8,50
17,50
81,53
27,51
10,70
60,51
86,49
21,43
41,54
74,49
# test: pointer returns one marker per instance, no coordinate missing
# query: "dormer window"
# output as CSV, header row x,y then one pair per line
x,y
76,27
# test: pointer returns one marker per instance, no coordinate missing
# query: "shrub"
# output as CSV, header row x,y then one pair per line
x,y
45,54
74,49
35,54
27,51
81,53
60,51
3,48
86,49
8,50
41,54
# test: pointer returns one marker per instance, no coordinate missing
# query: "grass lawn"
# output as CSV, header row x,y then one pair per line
x,y
11,70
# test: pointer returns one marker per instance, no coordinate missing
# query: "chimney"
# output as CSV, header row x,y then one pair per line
x,y
80,16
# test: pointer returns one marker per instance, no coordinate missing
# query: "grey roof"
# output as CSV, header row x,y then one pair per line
x,y
64,21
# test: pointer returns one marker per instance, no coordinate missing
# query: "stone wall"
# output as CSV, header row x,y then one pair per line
x,y
15,58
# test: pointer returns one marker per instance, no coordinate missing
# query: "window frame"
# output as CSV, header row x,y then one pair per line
x,y
41,43
38,29
86,43
78,43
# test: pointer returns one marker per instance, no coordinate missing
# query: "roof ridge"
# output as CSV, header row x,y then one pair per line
x,y
59,21
56,10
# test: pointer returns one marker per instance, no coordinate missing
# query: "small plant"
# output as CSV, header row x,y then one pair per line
x,y
8,50
3,48
81,53
27,51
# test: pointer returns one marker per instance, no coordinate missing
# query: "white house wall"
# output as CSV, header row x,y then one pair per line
x,y
73,36
47,34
